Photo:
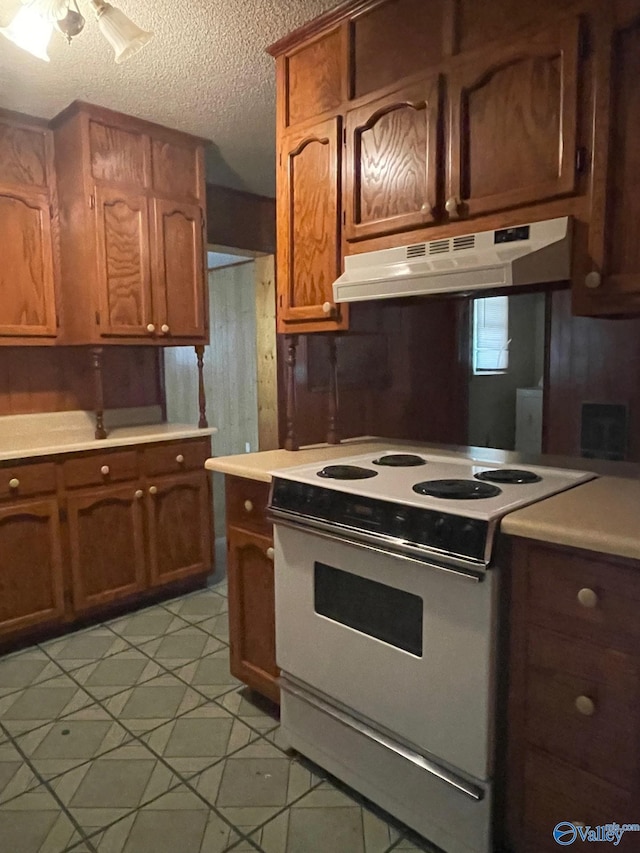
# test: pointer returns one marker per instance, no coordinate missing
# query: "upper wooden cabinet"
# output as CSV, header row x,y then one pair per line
x,y
27,198
392,162
610,283
513,114
309,228
132,199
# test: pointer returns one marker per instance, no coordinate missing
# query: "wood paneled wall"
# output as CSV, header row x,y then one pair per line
x,y
49,379
241,220
400,375
590,360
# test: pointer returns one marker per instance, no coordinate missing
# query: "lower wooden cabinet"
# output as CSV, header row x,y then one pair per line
x,y
31,575
573,717
252,610
252,620
179,523
85,531
106,538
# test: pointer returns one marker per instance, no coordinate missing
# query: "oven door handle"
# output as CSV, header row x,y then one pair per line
x,y
317,529
474,792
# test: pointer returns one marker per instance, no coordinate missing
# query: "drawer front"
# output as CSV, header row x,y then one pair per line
x,y
176,457
581,706
247,504
591,599
100,469
21,481
556,792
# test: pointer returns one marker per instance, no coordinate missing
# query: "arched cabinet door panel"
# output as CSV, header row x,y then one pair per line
x,y
513,116
392,162
309,229
31,580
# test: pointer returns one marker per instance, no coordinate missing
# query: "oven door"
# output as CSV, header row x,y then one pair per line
x,y
406,645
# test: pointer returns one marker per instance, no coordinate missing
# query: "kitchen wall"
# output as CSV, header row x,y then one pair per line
x,y
58,379
492,398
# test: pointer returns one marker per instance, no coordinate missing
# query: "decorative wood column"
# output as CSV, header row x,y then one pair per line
x,y
96,363
333,435
291,441
202,397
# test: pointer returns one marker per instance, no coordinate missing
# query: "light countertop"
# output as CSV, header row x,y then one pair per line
x,y
29,436
602,515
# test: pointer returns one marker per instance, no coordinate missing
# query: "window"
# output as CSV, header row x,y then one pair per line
x,y
491,341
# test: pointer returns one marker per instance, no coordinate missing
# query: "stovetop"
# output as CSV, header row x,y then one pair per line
x,y
397,484
422,506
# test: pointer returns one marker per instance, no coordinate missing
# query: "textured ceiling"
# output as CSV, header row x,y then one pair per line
x,y
205,72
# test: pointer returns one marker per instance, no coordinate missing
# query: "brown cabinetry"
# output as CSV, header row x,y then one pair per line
x,y
610,283
574,694
132,201
309,228
251,586
513,115
391,165
31,574
27,195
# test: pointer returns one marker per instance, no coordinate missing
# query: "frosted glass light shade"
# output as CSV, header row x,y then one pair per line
x,y
30,31
125,37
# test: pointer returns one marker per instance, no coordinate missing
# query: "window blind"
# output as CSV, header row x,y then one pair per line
x,y
491,335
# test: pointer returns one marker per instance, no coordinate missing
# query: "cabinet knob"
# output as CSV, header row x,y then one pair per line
x,y
270,553
593,280
426,208
451,206
164,329
153,490
179,458
585,706
14,483
588,598
151,328
327,308
105,470
139,495
248,506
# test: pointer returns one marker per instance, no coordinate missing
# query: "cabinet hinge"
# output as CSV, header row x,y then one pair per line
x,y
97,318
582,160
63,514
344,136
584,41
280,301
280,159
92,202
50,211
344,217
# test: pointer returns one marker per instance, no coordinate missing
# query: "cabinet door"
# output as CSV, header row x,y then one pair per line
x,y
106,532
513,123
31,587
252,632
124,266
309,229
392,162
180,523
27,301
178,270
612,283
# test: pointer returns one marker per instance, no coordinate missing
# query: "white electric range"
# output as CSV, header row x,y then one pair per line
x,y
387,626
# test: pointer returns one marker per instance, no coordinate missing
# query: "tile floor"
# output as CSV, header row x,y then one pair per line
x,y
133,737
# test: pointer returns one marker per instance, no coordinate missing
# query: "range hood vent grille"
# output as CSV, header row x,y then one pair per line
x,y
532,253
466,242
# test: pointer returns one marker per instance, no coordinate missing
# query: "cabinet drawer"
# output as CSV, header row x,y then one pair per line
x,y
100,469
556,792
247,504
21,481
177,457
581,703
586,598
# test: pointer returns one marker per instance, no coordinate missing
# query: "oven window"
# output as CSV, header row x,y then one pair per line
x,y
373,608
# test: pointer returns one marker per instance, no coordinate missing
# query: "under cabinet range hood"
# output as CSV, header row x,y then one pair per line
x,y
507,257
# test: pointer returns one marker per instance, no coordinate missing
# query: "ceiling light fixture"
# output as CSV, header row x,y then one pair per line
x,y
33,25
